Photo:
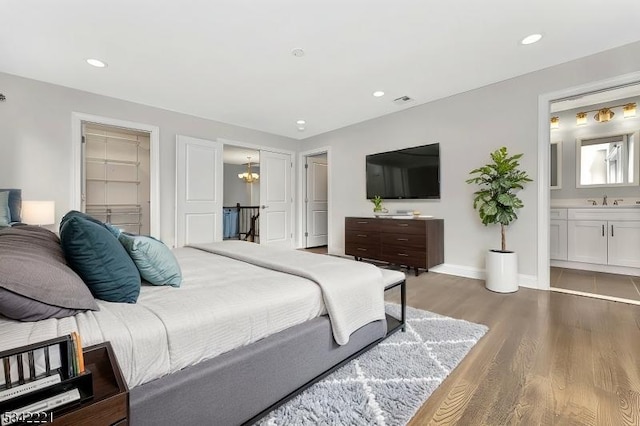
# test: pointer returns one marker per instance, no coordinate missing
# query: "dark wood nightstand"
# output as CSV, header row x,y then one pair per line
x,y
110,403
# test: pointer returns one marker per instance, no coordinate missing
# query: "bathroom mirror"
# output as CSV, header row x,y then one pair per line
x,y
607,161
555,164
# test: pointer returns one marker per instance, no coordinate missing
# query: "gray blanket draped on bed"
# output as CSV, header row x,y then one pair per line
x,y
352,291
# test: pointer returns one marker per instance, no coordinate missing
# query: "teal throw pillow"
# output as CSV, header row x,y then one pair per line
x,y
154,260
5,213
75,213
96,255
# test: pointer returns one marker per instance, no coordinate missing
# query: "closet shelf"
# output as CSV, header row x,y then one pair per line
x,y
112,180
112,161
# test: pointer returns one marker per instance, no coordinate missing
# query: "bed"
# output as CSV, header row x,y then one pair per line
x,y
234,341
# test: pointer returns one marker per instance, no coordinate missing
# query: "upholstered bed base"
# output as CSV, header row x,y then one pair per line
x,y
233,388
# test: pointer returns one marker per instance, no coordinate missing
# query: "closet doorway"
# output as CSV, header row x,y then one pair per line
x,y
103,162
116,176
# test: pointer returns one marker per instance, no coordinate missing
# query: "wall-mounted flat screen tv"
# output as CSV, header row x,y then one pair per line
x,y
412,173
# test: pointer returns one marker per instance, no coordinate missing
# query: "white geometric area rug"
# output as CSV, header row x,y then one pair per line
x,y
389,383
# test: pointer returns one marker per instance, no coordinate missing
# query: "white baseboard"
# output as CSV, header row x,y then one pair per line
x,y
529,281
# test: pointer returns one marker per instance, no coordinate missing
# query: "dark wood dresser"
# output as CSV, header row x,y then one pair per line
x,y
414,242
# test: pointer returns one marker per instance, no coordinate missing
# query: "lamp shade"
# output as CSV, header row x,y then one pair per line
x,y
39,212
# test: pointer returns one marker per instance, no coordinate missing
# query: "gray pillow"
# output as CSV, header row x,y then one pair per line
x,y
15,203
5,213
32,265
22,308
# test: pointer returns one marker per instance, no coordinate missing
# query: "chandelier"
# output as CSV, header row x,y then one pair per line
x,y
248,176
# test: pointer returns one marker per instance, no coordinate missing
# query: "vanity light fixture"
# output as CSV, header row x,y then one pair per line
x,y
603,115
629,110
581,118
606,114
555,123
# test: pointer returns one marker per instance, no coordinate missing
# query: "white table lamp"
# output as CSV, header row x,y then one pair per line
x,y
39,212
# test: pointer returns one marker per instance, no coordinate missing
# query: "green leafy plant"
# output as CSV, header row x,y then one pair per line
x,y
377,203
496,200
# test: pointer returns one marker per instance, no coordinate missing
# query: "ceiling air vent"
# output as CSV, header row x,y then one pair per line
x,y
402,100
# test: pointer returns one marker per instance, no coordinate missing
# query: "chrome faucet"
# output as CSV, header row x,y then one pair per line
x,y
604,200
615,203
593,202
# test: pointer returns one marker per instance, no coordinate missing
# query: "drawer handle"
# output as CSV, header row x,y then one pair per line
x,y
402,239
362,249
403,254
612,230
363,223
361,236
603,230
403,224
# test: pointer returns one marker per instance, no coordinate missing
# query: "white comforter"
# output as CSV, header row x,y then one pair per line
x,y
352,291
222,304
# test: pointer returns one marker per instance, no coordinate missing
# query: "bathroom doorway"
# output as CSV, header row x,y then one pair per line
x,y
594,215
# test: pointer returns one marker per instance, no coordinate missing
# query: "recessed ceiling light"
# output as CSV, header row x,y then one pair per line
x,y
301,122
530,39
378,93
96,63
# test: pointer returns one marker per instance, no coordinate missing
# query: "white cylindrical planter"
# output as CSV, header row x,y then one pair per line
x,y
502,271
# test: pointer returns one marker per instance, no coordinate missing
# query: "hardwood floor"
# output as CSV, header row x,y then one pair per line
x,y
548,358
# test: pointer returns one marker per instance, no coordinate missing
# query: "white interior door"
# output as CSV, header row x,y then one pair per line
x,y
198,191
275,198
316,202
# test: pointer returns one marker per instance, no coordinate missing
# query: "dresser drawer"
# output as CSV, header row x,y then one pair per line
x,y
403,226
362,237
371,251
404,240
404,256
360,224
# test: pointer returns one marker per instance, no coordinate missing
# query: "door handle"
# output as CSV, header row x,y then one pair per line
x,y
603,230
402,239
361,236
403,254
264,207
612,230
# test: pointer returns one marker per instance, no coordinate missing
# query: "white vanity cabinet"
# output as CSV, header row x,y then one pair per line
x,y
604,236
587,241
623,243
558,234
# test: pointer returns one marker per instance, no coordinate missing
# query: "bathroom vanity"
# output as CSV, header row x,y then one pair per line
x,y
603,238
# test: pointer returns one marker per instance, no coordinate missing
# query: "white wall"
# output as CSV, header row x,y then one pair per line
x,y
569,132
35,140
468,126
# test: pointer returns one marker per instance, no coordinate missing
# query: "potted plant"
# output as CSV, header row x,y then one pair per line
x,y
497,203
377,204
